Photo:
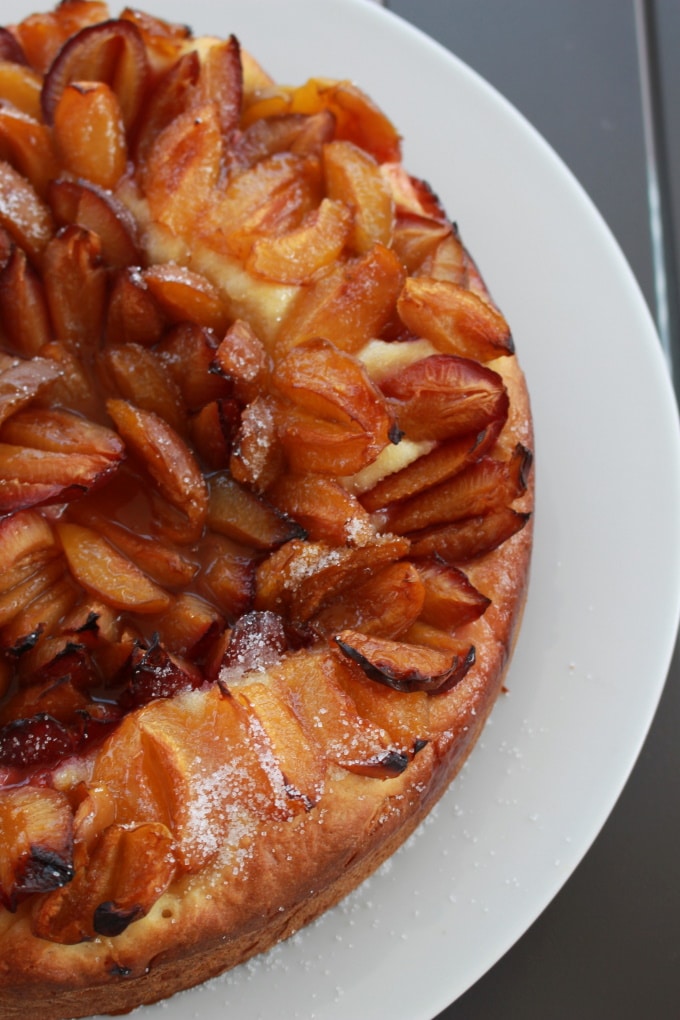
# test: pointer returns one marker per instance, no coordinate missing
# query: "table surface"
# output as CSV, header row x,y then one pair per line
x,y
598,80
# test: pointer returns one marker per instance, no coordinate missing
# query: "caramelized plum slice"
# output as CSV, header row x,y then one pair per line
x,y
162,561
227,575
405,667
302,577
212,431
302,768
404,715
25,538
235,511
60,431
267,199
257,641
295,256
294,132
42,35
156,673
415,238
485,486
189,628
443,462
116,884
242,359
317,446
353,177
10,48
349,304
186,296
133,314
443,397
62,679
98,211
357,118
107,574
323,507
313,685
456,320
188,353
22,380
35,477
23,308
39,740
36,854
17,598
451,600
112,52
221,81
256,458
75,288
28,629
164,40
27,145
385,605
140,868
139,376
49,455
469,539
23,214
331,384
168,460
87,112
168,99
183,169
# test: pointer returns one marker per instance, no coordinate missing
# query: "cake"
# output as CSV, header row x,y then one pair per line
x,y
265,505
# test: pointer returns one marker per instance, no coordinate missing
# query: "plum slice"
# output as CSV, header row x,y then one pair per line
x,y
125,873
444,396
23,308
235,511
385,765
155,673
39,740
454,319
112,52
37,844
484,487
467,540
96,210
406,667
21,381
10,48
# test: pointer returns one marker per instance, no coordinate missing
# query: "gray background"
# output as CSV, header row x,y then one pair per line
x,y
600,79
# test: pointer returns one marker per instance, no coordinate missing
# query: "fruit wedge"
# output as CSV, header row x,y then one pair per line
x,y
36,850
107,574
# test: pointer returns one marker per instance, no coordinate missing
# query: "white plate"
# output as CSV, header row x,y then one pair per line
x,y
604,602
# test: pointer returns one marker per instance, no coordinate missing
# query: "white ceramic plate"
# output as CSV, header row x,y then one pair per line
x,y
603,609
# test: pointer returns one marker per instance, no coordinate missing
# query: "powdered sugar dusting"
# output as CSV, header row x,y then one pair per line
x,y
215,818
359,531
311,559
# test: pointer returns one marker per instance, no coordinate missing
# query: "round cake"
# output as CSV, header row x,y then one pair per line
x,y
265,505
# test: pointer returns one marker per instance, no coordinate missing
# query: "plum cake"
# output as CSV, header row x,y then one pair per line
x,y
265,504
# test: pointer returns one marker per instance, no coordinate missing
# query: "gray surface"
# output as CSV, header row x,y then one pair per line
x,y
667,35
609,944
